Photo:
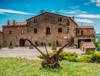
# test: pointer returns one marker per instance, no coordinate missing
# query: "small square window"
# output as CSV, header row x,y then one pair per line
x,y
22,32
35,20
59,30
10,32
59,19
35,30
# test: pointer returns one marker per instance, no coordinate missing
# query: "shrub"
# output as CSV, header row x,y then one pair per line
x,y
30,45
53,44
11,44
41,43
35,42
56,42
98,47
95,43
75,44
49,44
62,55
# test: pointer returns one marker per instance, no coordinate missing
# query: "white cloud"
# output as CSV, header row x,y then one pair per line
x,y
83,20
88,16
71,12
28,5
87,3
97,2
74,7
2,11
53,11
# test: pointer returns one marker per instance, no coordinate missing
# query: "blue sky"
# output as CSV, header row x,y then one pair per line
x,y
86,12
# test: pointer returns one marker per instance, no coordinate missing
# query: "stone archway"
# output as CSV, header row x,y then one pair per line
x,y
21,42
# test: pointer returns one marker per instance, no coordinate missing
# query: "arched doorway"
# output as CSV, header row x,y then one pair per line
x,y
21,42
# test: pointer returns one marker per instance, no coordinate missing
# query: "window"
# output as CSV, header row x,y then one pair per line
x,y
81,32
59,19
48,30
22,32
35,20
59,30
68,22
10,32
35,30
77,32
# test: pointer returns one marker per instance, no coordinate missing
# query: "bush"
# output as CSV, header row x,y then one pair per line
x,y
62,55
98,47
41,43
11,44
75,44
95,43
49,44
35,42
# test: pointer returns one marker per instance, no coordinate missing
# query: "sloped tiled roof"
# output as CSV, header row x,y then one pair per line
x,y
16,24
88,45
85,27
1,31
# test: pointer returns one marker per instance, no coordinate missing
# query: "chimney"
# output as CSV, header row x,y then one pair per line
x,y
13,22
73,18
41,11
8,22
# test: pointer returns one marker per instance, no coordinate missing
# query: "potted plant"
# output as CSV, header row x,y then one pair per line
x,y
41,44
53,46
36,43
30,46
57,42
75,45
49,44
11,45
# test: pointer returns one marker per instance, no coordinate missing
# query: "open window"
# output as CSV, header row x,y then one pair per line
x,y
59,19
59,30
81,32
10,32
35,20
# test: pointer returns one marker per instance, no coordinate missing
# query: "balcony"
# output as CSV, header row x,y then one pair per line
x,y
83,36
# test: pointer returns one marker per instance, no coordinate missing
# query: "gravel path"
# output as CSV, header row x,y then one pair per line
x,y
25,52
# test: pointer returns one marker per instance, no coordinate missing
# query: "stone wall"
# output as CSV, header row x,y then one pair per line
x,y
1,39
43,21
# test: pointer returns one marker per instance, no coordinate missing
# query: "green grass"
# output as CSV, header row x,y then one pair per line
x,y
25,67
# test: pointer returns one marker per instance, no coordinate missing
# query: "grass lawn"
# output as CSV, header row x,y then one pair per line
x,y
25,67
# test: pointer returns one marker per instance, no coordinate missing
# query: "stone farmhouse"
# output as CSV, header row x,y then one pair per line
x,y
46,27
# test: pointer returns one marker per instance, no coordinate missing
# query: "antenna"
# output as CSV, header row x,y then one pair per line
x,y
81,24
56,10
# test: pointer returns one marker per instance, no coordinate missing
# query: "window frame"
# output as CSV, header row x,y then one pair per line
x,y
34,30
61,30
34,20
10,32
47,30
81,32
58,19
21,32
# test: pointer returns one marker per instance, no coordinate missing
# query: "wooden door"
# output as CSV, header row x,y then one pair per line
x,y
88,32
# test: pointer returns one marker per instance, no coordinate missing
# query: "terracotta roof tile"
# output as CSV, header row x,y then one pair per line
x,y
88,45
85,27
1,31
16,24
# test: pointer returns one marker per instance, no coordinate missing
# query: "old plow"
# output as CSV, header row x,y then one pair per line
x,y
50,60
